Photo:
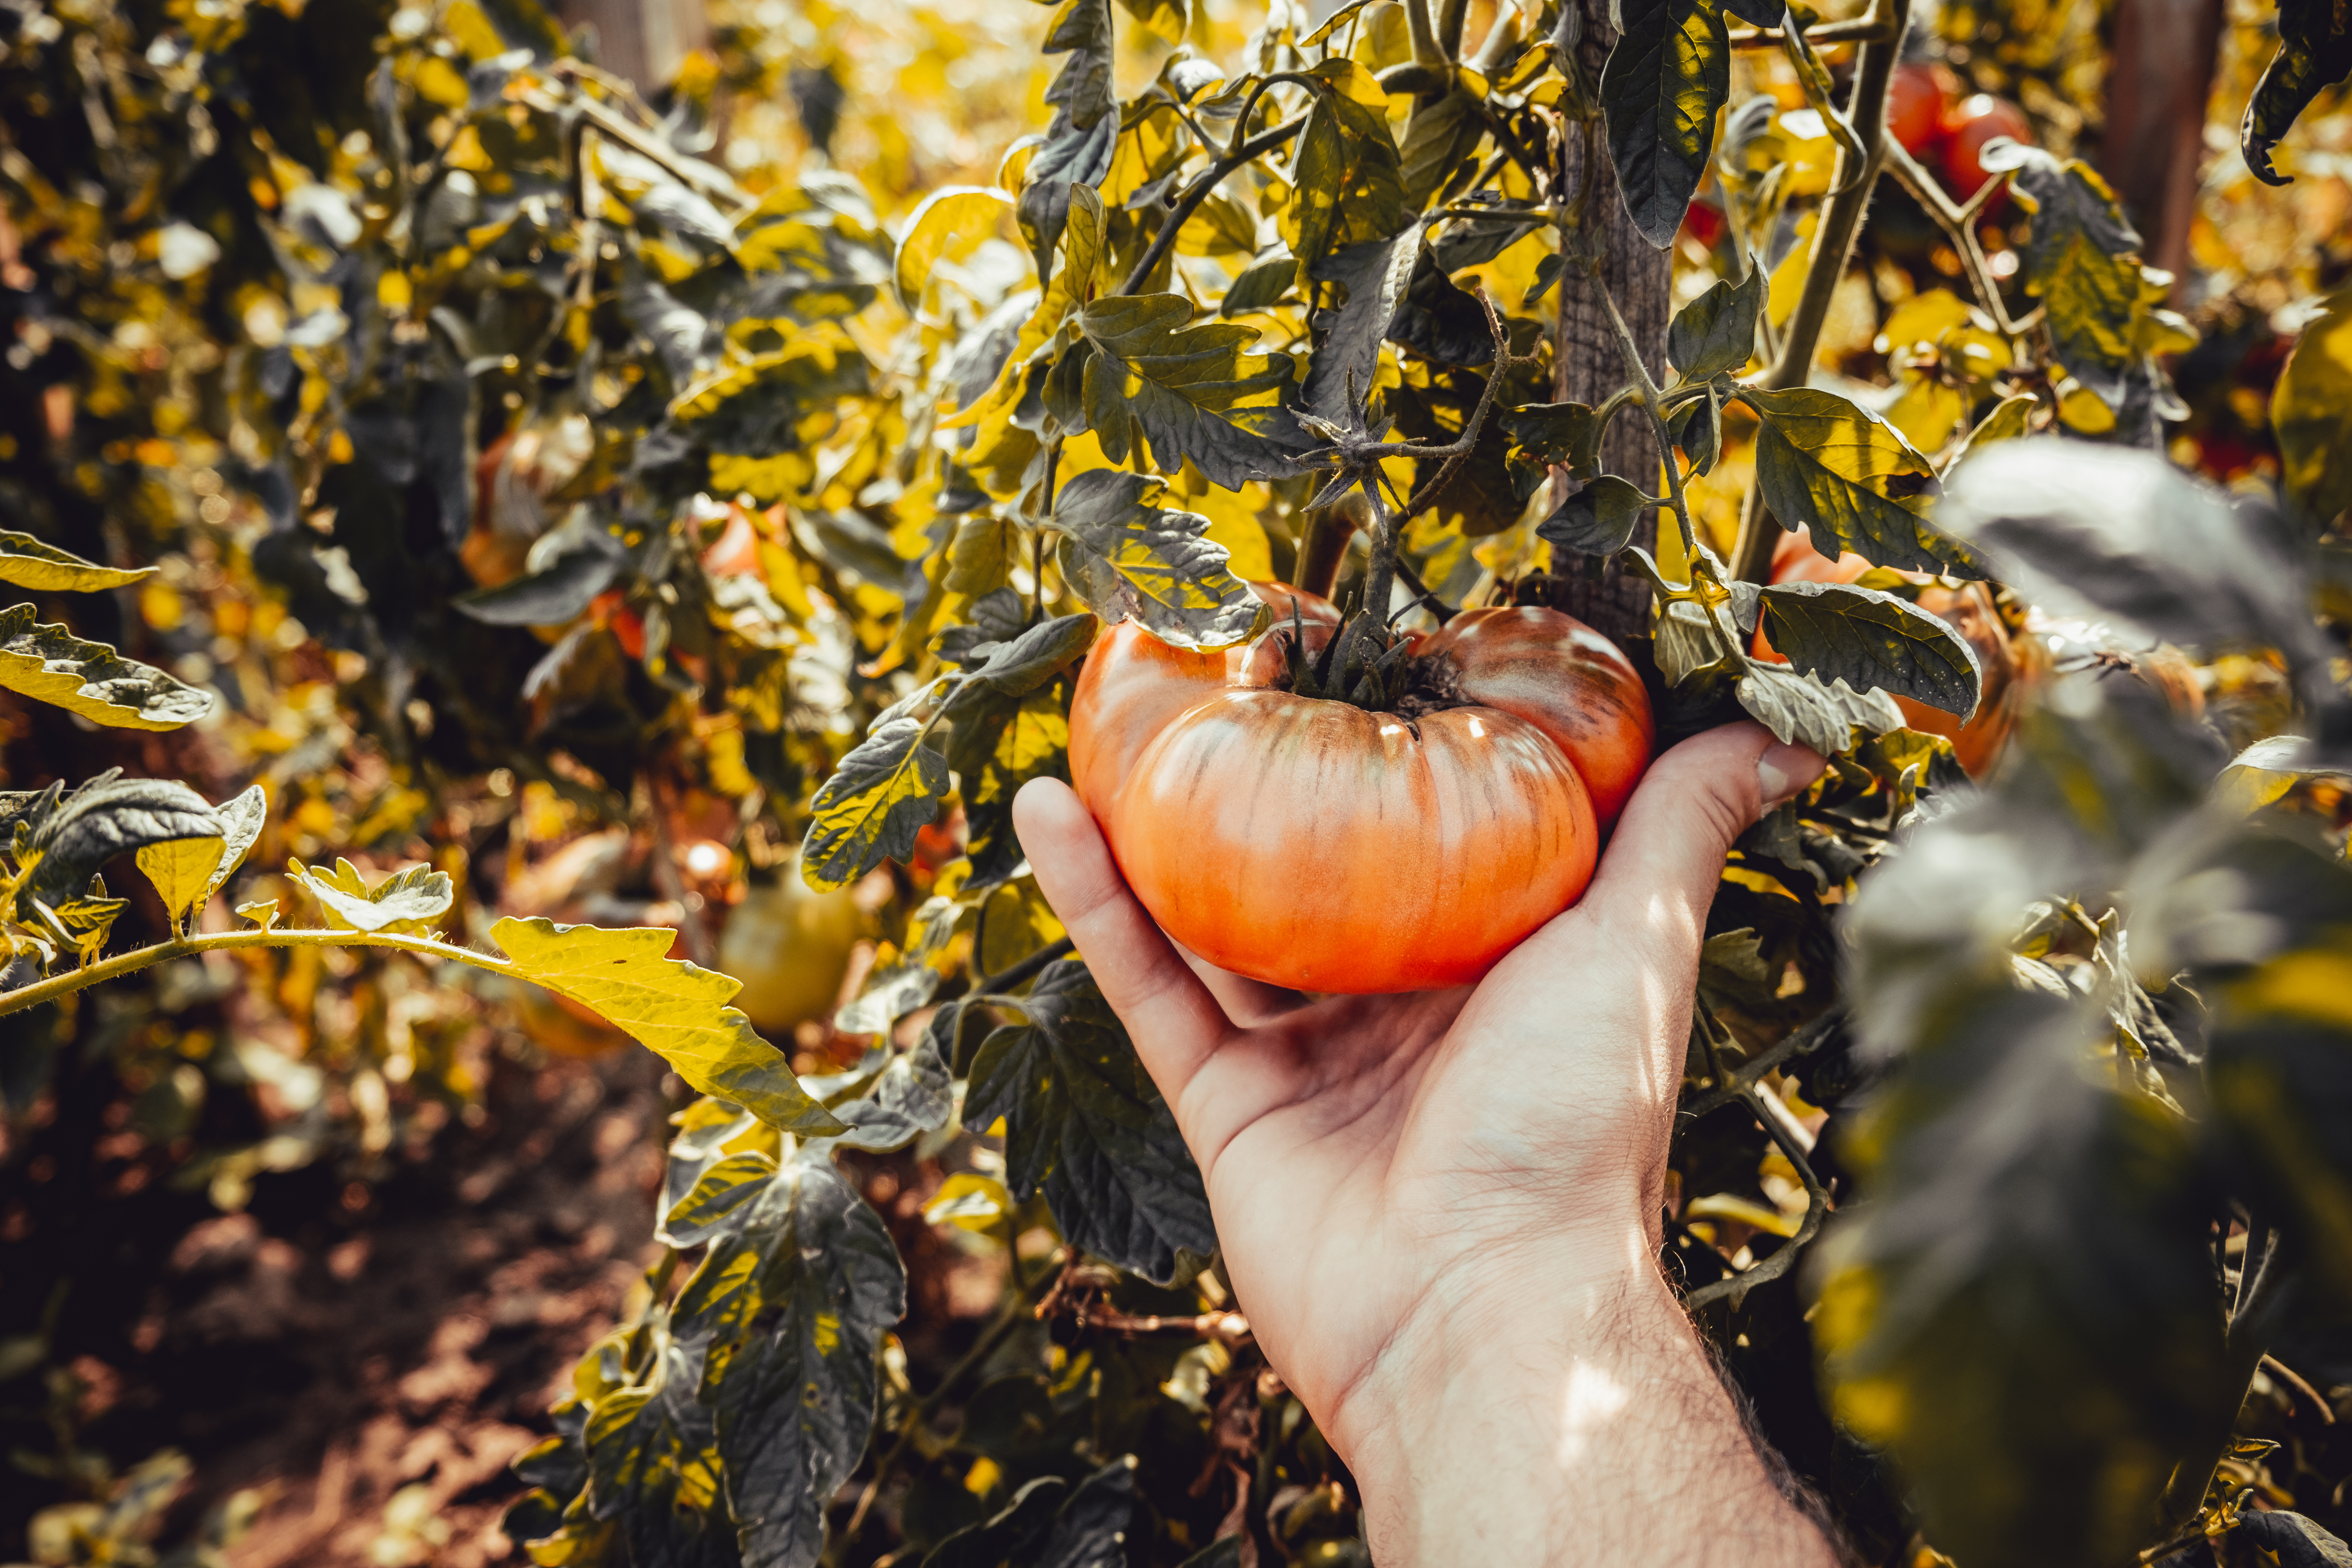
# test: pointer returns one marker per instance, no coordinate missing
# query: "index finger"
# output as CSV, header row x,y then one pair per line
x,y
1175,1022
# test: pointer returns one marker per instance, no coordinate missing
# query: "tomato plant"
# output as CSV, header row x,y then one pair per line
x,y
580,530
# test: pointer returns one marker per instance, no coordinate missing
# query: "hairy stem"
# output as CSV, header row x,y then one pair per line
x,y
1957,220
1834,236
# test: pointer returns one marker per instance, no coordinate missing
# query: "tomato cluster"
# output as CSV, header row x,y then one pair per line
x,y
1946,130
1309,842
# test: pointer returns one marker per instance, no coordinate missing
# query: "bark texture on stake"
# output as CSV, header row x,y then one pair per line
x,y
1588,366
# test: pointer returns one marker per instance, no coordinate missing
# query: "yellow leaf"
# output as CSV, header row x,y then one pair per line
x,y
181,871
971,1201
949,224
2311,410
28,562
675,1009
405,901
49,664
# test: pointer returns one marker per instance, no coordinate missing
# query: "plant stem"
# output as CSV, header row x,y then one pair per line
x,y
2264,1275
1028,968
1198,191
1649,398
1861,30
1834,236
1817,1208
122,964
1957,220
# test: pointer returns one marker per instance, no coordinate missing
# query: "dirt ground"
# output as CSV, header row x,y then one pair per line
x,y
367,1358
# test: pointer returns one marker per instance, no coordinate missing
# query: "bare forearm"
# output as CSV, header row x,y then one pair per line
x,y
1584,1427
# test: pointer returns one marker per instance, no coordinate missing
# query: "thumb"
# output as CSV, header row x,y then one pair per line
x,y
1667,855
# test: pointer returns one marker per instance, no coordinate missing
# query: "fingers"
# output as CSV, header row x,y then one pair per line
x,y
1174,1020
1662,866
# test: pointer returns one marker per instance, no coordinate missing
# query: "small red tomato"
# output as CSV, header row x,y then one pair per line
x,y
1917,103
1704,223
1973,122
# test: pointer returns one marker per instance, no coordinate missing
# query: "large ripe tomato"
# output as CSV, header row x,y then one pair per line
x,y
1917,102
1311,843
790,946
1972,123
2009,665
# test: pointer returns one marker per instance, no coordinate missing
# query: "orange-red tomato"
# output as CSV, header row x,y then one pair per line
x,y
1917,102
1310,843
1971,123
2009,665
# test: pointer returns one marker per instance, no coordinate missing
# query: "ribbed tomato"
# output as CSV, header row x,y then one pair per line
x,y
1311,843
2009,665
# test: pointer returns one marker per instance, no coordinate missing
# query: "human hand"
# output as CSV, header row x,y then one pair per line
x,y
1440,1211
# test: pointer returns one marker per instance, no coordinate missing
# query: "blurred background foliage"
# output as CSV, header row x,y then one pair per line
x,y
570,555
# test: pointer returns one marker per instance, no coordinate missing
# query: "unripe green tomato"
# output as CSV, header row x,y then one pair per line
x,y
789,947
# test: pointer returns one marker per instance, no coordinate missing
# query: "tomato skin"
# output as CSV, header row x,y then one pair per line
x,y
1403,861
1133,684
1566,679
1309,843
1916,104
1971,123
2008,666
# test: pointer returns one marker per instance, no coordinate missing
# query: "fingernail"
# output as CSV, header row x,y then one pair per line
x,y
1784,769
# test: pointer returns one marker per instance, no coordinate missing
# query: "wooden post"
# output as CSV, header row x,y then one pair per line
x,y
1588,364
640,39
2158,82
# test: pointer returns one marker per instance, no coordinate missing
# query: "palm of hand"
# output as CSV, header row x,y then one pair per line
x,y
1369,1159
1375,1160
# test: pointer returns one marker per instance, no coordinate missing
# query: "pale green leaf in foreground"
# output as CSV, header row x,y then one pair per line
x,y
403,902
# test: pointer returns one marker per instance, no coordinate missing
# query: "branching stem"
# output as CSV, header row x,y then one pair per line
x,y
1209,179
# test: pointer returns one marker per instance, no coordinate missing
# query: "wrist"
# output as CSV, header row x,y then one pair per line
x,y
1527,1415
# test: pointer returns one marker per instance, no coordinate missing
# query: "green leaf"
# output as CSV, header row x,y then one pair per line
x,y
1666,79
1376,276
2295,1541
2007,421
1009,1535
181,870
1261,284
1084,1122
49,664
1018,667
1144,376
2315,53
1091,1530
2311,408
654,1464
1440,138
1132,559
715,1206
2025,1309
406,901
1079,142
1715,335
546,598
910,1097
2121,536
1563,433
1839,631
1347,180
1599,519
1001,743
66,841
1849,476
796,1301
673,1008
28,562
2081,260
885,792
1801,709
